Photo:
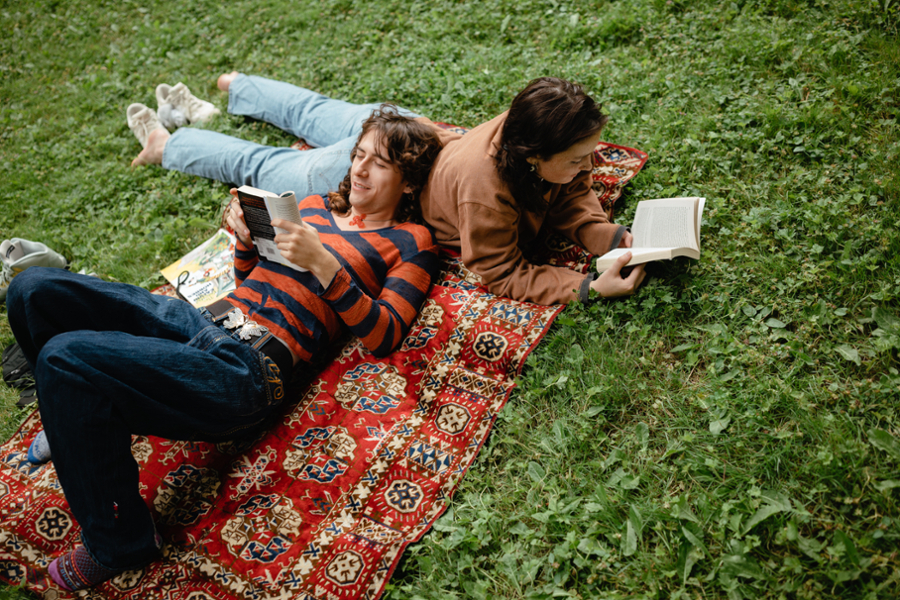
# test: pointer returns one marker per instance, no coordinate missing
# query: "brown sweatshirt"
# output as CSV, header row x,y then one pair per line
x,y
473,211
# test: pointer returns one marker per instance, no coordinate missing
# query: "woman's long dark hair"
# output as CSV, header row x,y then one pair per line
x,y
410,146
546,118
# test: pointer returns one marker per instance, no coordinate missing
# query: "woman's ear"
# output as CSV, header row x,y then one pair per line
x,y
534,160
407,189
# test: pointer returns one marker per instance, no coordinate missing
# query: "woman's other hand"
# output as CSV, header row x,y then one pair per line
x,y
235,220
627,240
611,284
301,245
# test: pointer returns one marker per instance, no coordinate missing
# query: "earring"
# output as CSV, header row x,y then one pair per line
x,y
533,168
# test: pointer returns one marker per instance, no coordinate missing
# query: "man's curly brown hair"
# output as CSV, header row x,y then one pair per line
x,y
411,146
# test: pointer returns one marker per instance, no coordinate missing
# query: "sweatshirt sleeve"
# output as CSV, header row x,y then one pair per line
x,y
489,247
245,259
577,214
382,323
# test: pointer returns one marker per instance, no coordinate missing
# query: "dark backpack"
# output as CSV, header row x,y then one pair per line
x,y
17,373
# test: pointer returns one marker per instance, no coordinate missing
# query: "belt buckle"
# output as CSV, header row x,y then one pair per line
x,y
246,329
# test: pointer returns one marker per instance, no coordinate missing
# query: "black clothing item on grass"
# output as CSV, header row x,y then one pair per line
x,y
17,373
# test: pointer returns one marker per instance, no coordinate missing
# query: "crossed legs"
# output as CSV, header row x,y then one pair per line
x,y
112,360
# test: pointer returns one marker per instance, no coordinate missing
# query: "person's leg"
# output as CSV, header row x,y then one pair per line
x,y
318,119
112,360
96,389
238,162
152,153
330,125
44,302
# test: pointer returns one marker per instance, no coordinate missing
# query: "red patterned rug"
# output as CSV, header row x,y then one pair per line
x,y
323,505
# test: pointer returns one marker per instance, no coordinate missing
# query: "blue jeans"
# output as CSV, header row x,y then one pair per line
x,y
112,360
332,126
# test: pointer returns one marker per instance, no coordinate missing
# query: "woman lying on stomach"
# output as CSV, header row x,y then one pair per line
x,y
112,360
494,190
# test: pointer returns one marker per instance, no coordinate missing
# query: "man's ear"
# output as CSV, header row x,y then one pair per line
x,y
407,189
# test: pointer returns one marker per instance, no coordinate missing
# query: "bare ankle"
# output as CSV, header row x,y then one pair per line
x,y
153,153
225,79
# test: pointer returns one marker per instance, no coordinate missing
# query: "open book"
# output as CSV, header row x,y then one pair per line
x,y
206,273
260,207
662,229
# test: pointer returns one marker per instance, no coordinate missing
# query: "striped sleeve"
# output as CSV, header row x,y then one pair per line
x,y
382,323
245,259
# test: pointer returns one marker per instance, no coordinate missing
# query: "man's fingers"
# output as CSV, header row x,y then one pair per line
x,y
286,225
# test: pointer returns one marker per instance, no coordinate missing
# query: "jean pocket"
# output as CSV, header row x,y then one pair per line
x,y
208,337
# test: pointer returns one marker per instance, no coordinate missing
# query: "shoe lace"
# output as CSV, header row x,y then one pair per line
x,y
189,104
6,274
194,105
146,126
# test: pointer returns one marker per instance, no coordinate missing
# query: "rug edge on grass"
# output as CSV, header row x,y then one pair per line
x,y
468,347
261,522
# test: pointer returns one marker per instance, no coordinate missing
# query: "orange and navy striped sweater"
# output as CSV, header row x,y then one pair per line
x,y
385,276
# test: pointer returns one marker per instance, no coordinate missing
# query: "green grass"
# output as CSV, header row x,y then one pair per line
x,y
729,432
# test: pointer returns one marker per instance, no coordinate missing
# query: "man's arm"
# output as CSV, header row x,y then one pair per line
x,y
382,323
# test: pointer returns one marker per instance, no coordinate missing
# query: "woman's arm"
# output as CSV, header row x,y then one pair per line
x,y
489,244
577,214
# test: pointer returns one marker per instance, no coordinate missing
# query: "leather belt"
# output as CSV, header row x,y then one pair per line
x,y
261,339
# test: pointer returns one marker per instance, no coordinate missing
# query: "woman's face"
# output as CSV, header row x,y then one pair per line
x,y
376,184
564,166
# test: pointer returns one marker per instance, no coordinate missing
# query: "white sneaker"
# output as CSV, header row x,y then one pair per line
x,y
16,255
142,120
184,102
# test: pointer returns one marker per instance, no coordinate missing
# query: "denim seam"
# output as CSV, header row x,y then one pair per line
x,y
197,335
264,370
216,339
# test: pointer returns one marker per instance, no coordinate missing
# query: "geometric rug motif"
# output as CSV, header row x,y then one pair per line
x,y
360,465
321,506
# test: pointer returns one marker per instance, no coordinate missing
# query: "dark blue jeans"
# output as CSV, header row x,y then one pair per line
x,y
112,360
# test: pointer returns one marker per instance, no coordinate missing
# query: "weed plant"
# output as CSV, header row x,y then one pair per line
x,y
732,430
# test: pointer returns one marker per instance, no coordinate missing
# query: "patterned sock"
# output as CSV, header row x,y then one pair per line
x,y
39,451
78,570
